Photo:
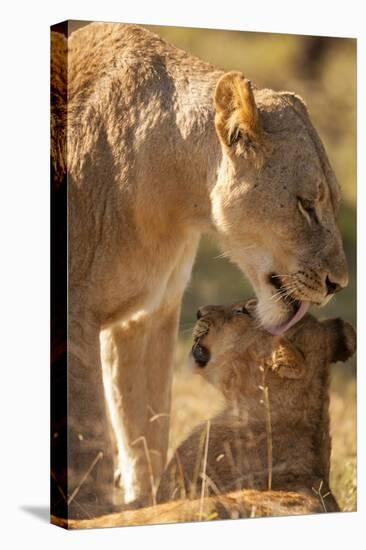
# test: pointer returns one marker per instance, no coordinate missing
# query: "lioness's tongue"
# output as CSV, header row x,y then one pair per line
x,y
280,329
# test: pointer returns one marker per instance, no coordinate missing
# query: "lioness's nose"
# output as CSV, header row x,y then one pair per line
x,y
332,286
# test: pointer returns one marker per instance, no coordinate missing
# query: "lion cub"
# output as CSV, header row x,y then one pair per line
x,y
274,431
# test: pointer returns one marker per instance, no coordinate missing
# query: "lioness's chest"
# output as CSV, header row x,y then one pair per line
x,y
170,277
151,282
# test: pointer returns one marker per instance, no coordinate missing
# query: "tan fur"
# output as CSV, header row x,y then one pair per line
x,y
148,173
274,432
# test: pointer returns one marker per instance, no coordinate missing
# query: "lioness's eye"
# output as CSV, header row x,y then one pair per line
x,y
307,208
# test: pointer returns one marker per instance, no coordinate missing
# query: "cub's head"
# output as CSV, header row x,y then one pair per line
x,y
229,347
276,200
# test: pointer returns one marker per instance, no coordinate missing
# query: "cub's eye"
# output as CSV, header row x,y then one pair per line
x,y
240,310
307,209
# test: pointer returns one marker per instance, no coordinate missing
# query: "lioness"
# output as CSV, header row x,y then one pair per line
x,y
274,431
157,147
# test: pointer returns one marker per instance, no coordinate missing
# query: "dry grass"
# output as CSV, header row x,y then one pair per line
x,y
344,445
234,505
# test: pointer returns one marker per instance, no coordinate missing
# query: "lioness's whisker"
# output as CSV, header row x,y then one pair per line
x,y
228,252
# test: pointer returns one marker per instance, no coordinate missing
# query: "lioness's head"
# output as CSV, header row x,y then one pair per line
x,y
229,347
276,201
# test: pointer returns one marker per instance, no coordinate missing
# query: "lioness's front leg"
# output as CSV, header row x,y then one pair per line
x,y
137,361
89,489
137,357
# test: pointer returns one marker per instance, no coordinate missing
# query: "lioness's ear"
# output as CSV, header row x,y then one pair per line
x,y
237,117
340,339
287,361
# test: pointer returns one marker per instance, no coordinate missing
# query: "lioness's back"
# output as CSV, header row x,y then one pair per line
x,y
102,50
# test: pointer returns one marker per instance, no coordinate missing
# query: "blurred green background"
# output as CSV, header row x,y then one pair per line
x,y
323,72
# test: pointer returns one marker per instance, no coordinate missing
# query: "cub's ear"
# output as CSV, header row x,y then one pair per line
x,y
287,361
237,119
341,340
